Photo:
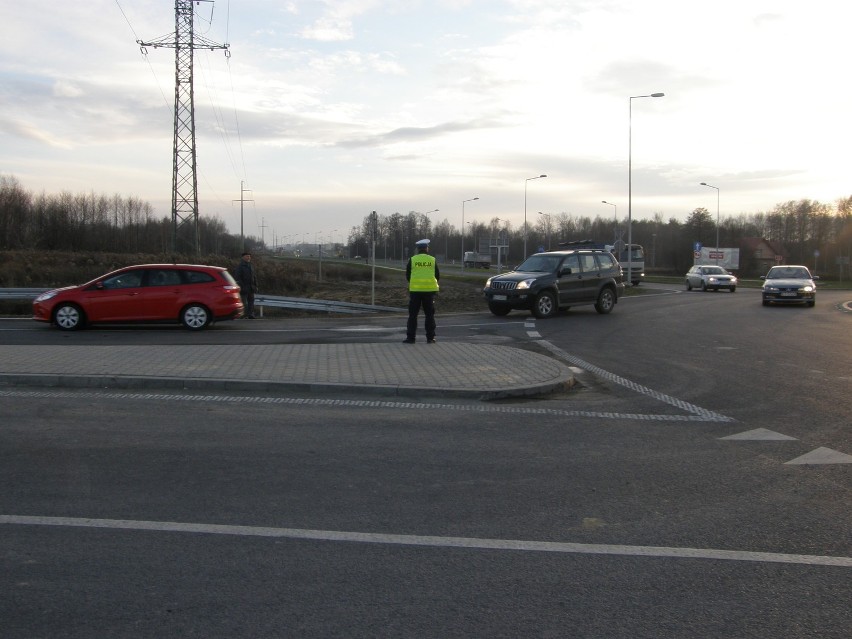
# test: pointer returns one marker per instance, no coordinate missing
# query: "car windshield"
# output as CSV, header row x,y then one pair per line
x,y
787,273
539,264
714,270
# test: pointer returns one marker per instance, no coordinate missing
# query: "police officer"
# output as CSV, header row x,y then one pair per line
x,y
422,275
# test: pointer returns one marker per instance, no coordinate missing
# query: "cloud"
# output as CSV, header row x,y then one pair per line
x,y
336,23
418,134
29,131
65,89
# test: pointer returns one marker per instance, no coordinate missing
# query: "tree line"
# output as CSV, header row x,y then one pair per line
x,y
808,232
90,222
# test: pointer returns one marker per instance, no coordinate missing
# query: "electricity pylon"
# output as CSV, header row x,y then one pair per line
x,y
184,41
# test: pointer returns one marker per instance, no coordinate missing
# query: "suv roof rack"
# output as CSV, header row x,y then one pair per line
x,y
582,244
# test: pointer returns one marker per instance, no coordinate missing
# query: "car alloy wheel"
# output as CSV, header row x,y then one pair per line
x,y
545,305
195,317
606,301
68,317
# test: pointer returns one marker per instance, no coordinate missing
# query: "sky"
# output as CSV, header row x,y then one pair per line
x,y
326,110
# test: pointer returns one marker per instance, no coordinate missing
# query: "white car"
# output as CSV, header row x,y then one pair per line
x,y
710,278
791,284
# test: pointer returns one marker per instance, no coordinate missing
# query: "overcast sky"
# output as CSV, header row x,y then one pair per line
x,y
329,109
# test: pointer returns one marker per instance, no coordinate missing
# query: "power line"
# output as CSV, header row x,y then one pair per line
x,y
184,41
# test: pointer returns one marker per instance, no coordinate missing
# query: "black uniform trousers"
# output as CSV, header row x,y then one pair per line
x,y
417,300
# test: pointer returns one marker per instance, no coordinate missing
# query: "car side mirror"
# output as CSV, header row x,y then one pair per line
x,y
99,286
565,270
814,277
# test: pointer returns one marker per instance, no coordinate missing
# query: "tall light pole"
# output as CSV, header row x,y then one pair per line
x,y
630,184
462,230
428,213
717,217
615,225
546,229
526,182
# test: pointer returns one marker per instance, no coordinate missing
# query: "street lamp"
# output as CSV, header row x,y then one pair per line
x,y
546,229
717,217
630,184
537,177
462,230
427,213
615,226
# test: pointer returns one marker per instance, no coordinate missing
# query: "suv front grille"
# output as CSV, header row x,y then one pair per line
x,y
503,286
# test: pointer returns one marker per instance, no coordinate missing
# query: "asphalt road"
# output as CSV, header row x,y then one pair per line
x,y
695,483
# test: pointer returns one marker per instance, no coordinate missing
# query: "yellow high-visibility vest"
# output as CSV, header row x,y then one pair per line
x,y
423,274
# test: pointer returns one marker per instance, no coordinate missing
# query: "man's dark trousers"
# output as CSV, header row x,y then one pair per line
x,y
415,301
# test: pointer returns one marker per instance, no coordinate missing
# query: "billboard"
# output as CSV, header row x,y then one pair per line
x,y
727,258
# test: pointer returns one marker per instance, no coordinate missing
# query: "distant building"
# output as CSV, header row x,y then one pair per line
x,y
758,255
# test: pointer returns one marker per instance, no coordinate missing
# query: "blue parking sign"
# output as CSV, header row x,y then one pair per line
x,y
697,247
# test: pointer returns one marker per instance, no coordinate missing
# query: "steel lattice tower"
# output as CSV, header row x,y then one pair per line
x,y
184,167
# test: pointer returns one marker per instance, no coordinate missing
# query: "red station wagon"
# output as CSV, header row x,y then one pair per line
x,y
191,294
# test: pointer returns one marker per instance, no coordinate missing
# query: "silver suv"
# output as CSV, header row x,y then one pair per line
x,y
548,282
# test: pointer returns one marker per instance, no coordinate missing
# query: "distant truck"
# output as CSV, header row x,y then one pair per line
x,y
632,262
476,260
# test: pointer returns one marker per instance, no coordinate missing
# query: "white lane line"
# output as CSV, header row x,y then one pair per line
x,y
355,403
432,541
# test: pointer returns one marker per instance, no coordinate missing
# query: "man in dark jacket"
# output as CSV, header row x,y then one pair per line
x,y
246,278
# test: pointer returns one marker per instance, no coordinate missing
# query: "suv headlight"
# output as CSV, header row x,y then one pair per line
x,y
488,282
525,284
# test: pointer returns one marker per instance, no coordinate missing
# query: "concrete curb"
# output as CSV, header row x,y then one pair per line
x,y
380,369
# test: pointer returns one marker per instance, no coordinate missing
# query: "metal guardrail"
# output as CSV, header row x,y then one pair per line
x,y
21,293
327,306
275,301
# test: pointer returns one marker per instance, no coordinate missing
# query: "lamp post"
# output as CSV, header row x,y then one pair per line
x,y
717,217
546,229
526,182
630,184
427,213
615,225
500,254
462,230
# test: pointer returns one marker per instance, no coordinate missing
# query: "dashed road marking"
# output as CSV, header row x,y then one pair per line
x,y
354,403
705,414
